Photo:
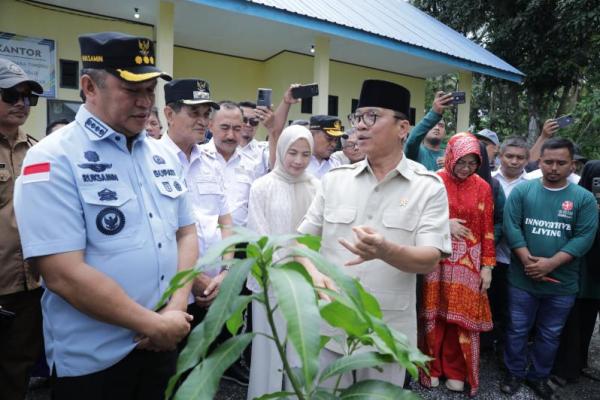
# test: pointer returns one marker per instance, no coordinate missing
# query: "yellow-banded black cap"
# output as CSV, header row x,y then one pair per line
x,y
130,58
330,125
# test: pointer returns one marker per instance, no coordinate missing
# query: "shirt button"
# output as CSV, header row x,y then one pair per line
x,y
160,245
162,277
150,215
376,189
117,138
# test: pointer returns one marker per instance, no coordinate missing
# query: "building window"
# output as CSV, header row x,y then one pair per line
x,y
412,116
332,105
69,74
354,105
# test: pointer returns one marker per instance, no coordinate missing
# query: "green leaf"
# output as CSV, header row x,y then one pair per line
x,y
298,305
237,319
218,313
310,241
203,381
344,282
276,395
340,316
214,253
373,389
353,362
177,282
324,340
322,394
253,250
368,301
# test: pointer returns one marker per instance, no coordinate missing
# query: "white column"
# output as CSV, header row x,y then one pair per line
x,y
321,74
465,84
165,40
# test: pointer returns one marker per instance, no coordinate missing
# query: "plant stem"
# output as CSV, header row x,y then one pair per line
x,y
280,347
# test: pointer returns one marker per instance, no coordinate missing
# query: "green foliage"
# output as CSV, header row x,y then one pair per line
x,y
556,43
288,288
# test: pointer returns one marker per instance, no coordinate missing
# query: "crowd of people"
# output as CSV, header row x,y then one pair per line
x,y
468,243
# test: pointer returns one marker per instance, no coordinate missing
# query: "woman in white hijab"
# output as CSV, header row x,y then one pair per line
x,y
278,202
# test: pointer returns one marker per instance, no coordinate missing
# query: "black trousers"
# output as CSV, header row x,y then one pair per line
x,y
142,375
21,342
573,352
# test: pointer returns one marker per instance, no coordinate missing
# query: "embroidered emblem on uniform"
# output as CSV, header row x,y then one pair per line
x,y
177,186
145,57
167,186
95,126
337,125
158,159
96,167
107,195
403,202
110,221
91,156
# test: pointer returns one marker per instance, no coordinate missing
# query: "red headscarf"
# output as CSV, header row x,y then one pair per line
x,y
459,146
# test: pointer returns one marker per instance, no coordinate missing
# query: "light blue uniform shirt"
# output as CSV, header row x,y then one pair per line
x,y
84,190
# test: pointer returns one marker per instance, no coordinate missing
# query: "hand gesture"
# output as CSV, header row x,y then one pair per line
x,y
486,279
458,230
441,102
538,267
549,129
369,245
205,289
265,116
287,96
170,329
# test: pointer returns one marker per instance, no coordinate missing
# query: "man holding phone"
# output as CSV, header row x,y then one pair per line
x,y
424,143
255,115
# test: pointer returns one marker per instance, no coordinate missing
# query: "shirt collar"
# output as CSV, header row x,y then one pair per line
x,y
403,168
92,125
173,148
498,173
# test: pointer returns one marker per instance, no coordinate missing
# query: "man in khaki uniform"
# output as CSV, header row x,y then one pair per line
x,y
385,218
20,335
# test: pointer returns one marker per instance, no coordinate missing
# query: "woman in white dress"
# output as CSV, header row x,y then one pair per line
x,y
278,202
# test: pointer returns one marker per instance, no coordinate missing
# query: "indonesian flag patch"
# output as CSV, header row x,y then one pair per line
x,y
39,172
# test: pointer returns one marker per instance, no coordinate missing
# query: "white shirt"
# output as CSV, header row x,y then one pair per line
x,y
537,173
502,249
259,152
319,168
206,185
340,157
238,173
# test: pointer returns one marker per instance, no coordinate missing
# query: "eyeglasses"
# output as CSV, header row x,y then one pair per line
x,y
470,164
251,121
12,96
368,118
350,145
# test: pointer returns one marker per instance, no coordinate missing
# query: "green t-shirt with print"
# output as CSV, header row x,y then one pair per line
x,y
546,222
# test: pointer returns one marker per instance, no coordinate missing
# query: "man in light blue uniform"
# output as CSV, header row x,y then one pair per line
x,y
103,214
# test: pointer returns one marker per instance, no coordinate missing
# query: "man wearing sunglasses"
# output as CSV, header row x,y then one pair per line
x,y
385,218
20,336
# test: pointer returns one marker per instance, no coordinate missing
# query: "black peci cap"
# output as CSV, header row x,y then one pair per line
x,y
384,94
130,58
189,91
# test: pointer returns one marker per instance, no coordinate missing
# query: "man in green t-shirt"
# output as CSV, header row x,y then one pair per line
x,y
549,225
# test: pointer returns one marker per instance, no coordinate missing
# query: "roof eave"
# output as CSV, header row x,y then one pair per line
x,y
302,21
